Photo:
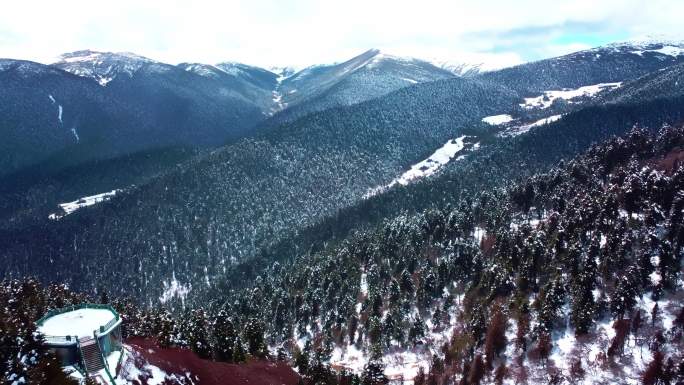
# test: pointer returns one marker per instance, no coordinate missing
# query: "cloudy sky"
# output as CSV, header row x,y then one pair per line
x,y
303,32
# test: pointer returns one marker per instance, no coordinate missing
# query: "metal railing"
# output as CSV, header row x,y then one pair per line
x,y
60,340
108,325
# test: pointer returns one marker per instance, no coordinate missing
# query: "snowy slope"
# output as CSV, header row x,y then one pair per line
x,y
372,74
105,66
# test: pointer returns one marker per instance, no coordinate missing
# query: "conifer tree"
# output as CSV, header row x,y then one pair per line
x,y
224,336
254,335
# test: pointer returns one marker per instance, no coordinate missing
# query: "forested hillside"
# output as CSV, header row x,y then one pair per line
x,y
187,227
36,191
496,164
572,275
612,63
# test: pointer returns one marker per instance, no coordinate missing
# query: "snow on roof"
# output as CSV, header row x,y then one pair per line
x,y
79,323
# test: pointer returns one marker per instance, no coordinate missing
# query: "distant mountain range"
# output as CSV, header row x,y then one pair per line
x,y
95,105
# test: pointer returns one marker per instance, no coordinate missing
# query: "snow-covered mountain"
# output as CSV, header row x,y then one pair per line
x,y
94,105
284,71
372,74
363,70
611,63
105,66
469,67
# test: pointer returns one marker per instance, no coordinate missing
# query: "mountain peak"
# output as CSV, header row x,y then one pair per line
x,y
88,55
202,69
101,66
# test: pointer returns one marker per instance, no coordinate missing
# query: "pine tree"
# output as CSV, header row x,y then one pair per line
x,y
624,296
373,373
224,336
583,306
239,353
254,335
654,371
551,300
495,340
417,331
476,371
197,334
544,346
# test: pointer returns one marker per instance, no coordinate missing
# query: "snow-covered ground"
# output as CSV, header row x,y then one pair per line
x,y
496,120
131,373
427,167
668,50
79,323
519,130
401,364
430,165
70,207
546,99
278,103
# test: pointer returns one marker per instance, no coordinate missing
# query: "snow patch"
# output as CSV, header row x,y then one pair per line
x,y
59,113
70,207
146,373
364,284
104,80
496,120
433,163
548,97
519,130
667,50
479,233
428,166
73,131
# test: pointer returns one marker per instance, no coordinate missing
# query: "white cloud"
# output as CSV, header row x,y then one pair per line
x,y
301,32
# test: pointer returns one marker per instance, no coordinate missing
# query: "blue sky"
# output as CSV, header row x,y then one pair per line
x,y
303,32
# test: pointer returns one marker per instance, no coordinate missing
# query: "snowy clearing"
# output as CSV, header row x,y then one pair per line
x,y
70,207
79,323
519,130
667,50
430,165
548,97
496,120
427,167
